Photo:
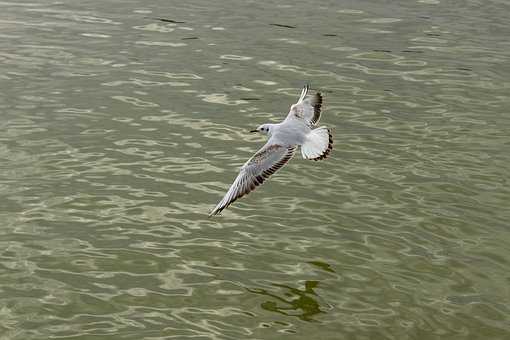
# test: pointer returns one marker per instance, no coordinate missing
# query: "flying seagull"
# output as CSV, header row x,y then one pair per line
x,y
298,129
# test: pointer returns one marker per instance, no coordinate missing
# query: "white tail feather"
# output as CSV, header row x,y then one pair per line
x,y
318,144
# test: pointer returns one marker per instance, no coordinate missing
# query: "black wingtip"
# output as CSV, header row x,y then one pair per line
x,y
215,212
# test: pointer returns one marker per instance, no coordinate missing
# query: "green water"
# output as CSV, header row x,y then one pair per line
x,y
119,132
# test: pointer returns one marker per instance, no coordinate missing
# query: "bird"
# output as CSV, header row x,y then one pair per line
x,y
298,129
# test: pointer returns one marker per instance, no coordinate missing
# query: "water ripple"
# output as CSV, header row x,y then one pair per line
x,y
117,143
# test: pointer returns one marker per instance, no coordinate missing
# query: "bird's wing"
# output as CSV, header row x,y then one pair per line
x,y
269,159
307,108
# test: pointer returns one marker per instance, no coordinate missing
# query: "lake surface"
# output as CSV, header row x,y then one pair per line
x,y
124,122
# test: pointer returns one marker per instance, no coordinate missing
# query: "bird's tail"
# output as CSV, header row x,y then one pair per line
x,y
318,144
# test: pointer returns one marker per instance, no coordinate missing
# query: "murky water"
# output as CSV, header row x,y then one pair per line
x,y
124,122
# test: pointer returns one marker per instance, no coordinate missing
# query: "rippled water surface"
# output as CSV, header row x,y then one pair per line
x,y
124,122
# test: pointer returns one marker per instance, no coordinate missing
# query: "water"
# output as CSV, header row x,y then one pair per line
x,y
120,131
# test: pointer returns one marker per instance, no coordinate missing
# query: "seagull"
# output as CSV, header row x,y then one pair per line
x,y
298,129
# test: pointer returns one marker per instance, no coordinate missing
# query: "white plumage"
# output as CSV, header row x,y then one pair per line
x,y
298,129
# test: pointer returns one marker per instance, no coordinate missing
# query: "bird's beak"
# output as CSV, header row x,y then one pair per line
x,y
252,131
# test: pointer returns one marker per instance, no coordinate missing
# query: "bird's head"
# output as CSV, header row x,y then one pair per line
x,y
264,129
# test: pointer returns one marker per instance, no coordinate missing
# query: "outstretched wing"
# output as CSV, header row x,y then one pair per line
x,y
269,159
307,108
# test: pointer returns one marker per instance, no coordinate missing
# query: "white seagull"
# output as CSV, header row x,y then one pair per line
x,y
298,129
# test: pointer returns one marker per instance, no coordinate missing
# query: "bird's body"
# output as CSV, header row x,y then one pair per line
x,y
293,134
298,129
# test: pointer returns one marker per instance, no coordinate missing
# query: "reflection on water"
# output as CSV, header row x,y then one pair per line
x,y
123,125
296,302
